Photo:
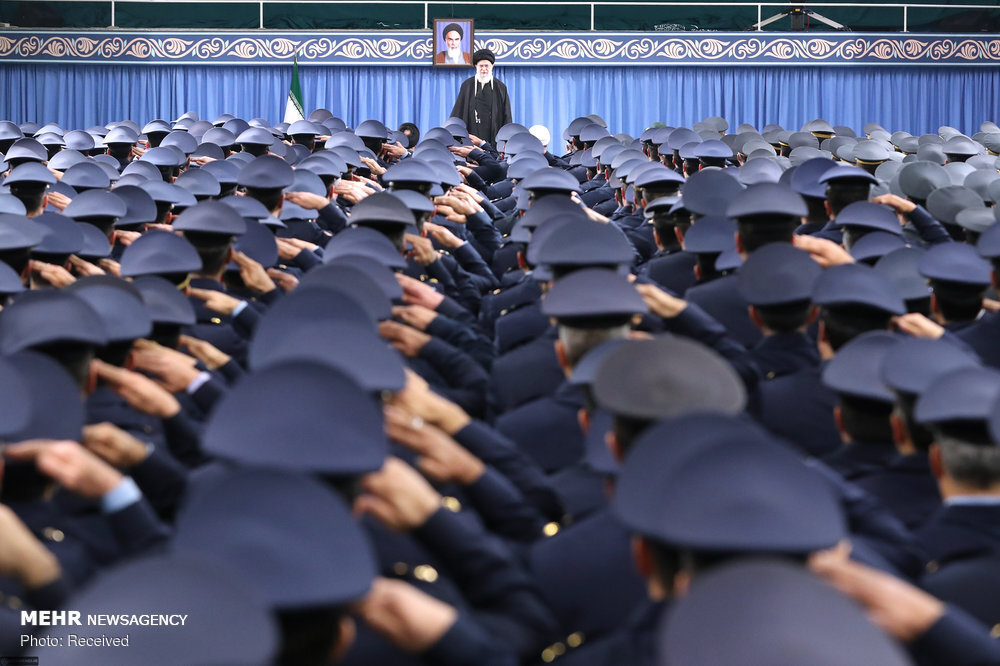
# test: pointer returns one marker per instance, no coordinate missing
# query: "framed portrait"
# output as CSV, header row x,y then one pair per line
x,y
453,41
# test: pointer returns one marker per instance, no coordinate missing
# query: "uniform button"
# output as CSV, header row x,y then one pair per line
x,y
14,602
550,529
425,573
52,534
282,267
451,504
995,631
559,649
215,320
575,639
932,566
400,568
496,291
434,280
423,278
504,311
771,375
548,655
148,429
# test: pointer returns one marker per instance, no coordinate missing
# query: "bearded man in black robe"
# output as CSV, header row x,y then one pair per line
x,y
482,100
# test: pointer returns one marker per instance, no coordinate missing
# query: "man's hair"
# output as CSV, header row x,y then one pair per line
x,y
786,317
373,143
212,248
17,258
664,226
706,264
309,635
627,430
672,560
168,173
653,193
720,162
958,301
270,197
844,323
167,335
412,185
853,234
817,209
920,305
30,194
920,435
559,271
307,140
578,341
74,357
840,193
163,209
759,230
115,353
414,136
866,420
970,464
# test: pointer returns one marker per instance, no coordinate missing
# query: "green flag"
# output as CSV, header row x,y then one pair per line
x,y
293,108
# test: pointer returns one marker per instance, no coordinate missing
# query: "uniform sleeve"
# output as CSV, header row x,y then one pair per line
x,y
162,480
957,640
494,449
331,218
136,528
503,508
463,337
467,380
485,237
504,597
931,231
466,644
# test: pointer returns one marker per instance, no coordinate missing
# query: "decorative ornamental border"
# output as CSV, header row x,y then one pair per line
x,y
513,48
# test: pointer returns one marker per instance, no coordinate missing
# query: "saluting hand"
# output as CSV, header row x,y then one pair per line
x,y
57,276
254,276
83,267
286,281
216,301
423,251
205,352
139,391
405,338
75,468
398,496
442,235
409,618
171,369
441,458
416,316
307,200
660,302
114,445
22,555
416,292
824,252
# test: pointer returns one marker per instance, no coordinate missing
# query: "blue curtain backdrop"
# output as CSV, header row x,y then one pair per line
x,y
915,99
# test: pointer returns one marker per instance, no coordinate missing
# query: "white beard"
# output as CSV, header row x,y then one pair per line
x,y
483,80
455,56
